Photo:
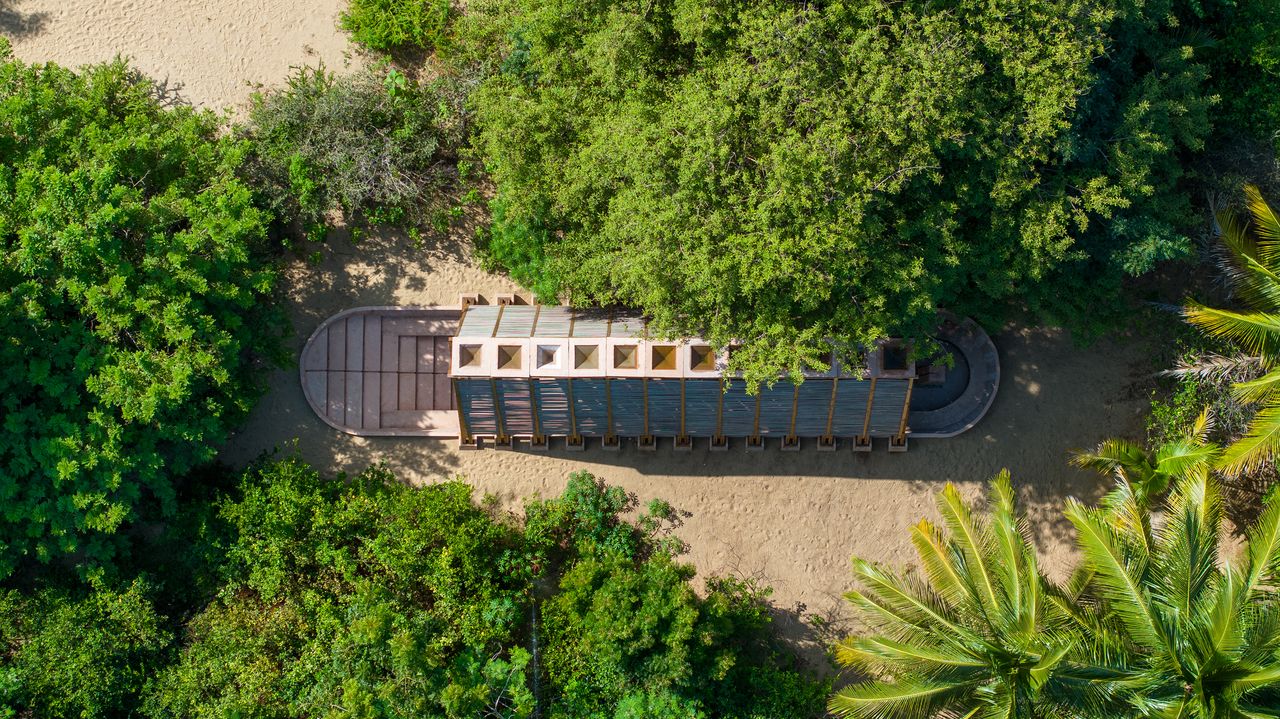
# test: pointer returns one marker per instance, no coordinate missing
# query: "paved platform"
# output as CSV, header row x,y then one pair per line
x,y
383,371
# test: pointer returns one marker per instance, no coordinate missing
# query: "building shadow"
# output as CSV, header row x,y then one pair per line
x,y
17,24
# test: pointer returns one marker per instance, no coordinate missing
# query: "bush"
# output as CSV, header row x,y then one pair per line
x,y
135,303
372,144
65,654
391,25
789,173
364,597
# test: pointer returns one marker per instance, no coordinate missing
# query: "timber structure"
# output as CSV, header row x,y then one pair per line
x,y
505,373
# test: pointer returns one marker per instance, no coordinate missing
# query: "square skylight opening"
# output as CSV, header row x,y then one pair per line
x,y
625,356
663,357
702,358
509,357
586,357
548,357
469,355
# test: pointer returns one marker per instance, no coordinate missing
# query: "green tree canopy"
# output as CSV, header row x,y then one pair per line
x,y
362,597
134,304
779,173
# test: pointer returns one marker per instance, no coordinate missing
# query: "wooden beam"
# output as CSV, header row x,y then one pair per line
x,y
906,408
831,406
866,418
463,429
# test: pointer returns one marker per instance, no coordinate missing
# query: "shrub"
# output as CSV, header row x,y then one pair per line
x,y
391,25
135,303
789,173
65,654
373,144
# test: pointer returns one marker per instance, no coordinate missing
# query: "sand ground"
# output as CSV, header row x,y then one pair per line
x,y
790,519
211,51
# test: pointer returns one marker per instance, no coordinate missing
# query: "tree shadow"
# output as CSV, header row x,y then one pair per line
x,y
17,24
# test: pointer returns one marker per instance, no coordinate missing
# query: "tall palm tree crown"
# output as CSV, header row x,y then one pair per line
x,y
1187,634
977,636
1253,248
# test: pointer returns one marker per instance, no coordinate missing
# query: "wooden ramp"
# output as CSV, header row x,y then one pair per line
x,y
383,371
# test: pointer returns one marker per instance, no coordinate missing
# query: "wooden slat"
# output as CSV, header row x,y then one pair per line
x,y
408,354
426,391
337,393
389,396
372,401
372,343
444,398
318,387
408,391
316,356
337,346
442,355
390,350
355,343
418,326
426,355
355,397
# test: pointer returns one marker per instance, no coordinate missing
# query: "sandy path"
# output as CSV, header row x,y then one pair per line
x,y
792,520
211,50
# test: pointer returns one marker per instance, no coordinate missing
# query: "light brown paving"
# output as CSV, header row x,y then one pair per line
x,y
383,371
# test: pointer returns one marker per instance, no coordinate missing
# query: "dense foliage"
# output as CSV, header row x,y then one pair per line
x,y
134,302
778,172
1156,622
371,144
391,25
1252,247
362,597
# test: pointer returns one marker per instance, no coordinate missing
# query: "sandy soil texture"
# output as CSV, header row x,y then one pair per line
x,y
211,51
790,519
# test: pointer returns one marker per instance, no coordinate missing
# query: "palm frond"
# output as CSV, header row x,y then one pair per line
x,y
1119,570
938,564
1257,390
1260,443
907,699
969,538
880,653
1257,332
1265,222
1217,368
1262,558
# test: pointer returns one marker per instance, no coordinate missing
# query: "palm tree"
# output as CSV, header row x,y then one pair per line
x,y
1148,474
978,636
1253,248
1186,634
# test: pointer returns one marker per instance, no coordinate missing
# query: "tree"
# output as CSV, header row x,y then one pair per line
x,y
1253,249
979,635
1149,473
372,144
135,286
78,653
785,173
362,597
1187,634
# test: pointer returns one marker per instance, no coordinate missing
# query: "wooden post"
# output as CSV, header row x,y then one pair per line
x,y
464,431
502,437
831,406
573,416
866,419
533,408
906,407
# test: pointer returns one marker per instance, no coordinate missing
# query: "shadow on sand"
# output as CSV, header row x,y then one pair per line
x,y
17,24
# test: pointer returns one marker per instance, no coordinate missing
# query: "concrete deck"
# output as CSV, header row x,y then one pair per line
x,y
383,371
